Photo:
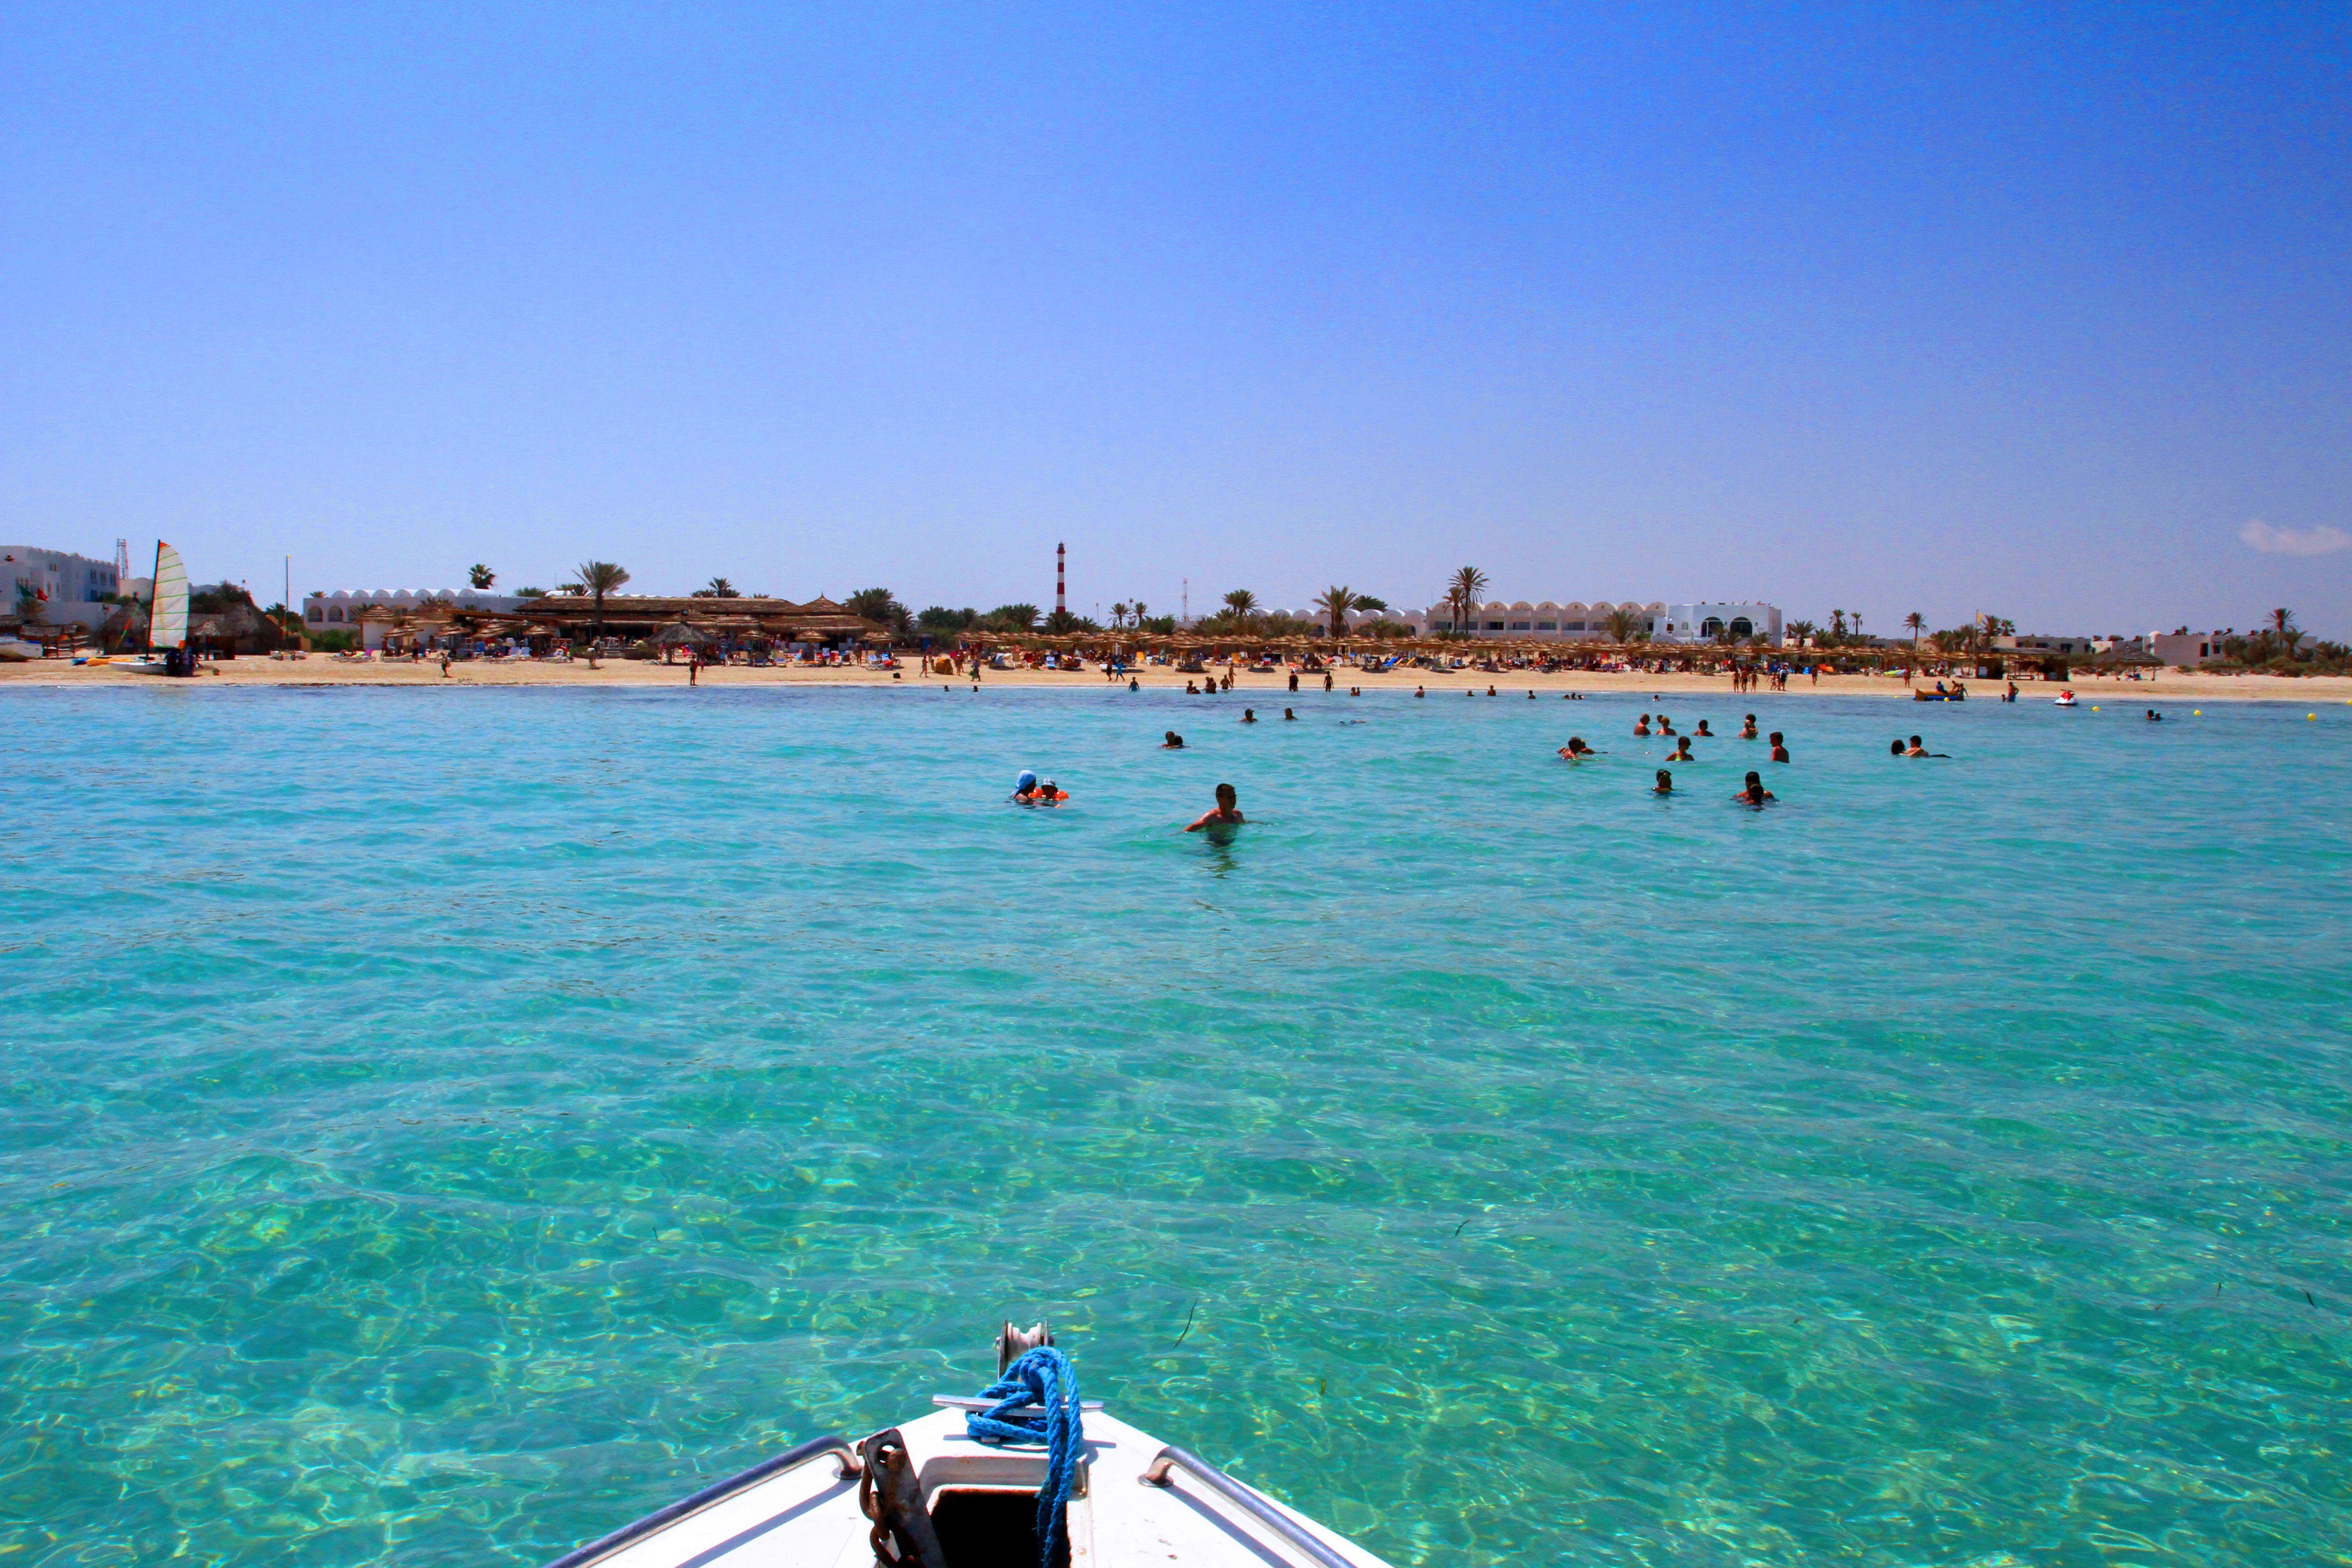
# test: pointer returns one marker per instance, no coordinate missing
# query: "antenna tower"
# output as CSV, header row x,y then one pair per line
x,y
1061,580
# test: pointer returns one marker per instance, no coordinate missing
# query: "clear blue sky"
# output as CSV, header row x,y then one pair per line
x,y
2030,310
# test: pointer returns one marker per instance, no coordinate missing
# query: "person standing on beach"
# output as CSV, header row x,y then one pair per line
x,y
1327,680
1227,813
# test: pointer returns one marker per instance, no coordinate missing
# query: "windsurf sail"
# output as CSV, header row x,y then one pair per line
x,y
167,615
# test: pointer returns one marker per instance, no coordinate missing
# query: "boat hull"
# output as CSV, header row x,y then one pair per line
x,y
800,1509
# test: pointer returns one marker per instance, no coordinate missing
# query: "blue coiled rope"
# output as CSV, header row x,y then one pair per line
x,y
1043,1376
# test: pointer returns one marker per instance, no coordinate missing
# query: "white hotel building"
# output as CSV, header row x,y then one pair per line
x,y
340,611
1576,621
65,587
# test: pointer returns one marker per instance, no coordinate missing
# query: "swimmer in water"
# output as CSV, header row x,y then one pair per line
x,y
1747,730
1755,794
1780,751
1894,749
1665,726
1665,783
1642,725
1420,691
1918,749
1682,752
1047,795
1226,815
2154,717
1704,733
1575,750
1490,691
1174,742
1286,713
1024,788
1192,688
1133,684
1249,715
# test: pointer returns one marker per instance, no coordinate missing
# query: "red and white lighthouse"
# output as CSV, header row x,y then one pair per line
x,y
1061,580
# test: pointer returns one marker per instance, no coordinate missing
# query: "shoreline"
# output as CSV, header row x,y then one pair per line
x,y
325,670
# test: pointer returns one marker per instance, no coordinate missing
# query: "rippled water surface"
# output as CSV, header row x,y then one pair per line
x,y
442,1125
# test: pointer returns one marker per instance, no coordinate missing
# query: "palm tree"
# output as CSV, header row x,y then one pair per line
x,y
1621,624
2282,627
1463,593
1118,613
1837,625
1336,603
1918,623
720,588
598,578
871,603
1241,603
1799,630
1140,608
480,575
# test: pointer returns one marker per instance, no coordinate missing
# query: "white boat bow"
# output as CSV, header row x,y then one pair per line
x,y
1136,1501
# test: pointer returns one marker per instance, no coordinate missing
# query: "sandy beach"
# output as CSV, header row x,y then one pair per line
x,y
325,669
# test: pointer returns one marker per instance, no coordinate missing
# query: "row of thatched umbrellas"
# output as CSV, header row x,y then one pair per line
x,y
704,630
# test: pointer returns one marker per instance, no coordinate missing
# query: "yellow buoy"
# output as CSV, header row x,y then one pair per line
x,y
2198,712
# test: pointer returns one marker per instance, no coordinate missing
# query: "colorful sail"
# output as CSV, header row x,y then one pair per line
x,y
167,618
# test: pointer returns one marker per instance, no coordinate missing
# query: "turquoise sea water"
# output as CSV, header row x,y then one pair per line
x,y
441,1126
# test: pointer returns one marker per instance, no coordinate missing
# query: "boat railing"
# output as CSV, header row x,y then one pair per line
x,y
1294,1535
846,1464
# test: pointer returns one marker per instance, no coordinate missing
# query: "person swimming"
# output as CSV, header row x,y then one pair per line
x,y
1133,684
1286,713
1755,794
1249,715
1575,750
2154,717
1682,752
1918,749
1417,691
1047,795
1665,783
1894,747
1780,751
1026,788
1704,733
1192,688
1642,725
1173,741
1227,813
1747,730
